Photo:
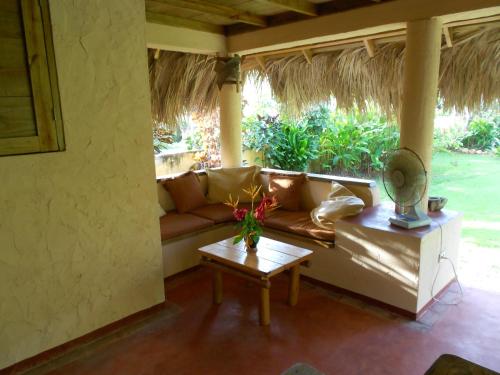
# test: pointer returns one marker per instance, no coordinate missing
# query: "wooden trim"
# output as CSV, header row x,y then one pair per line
x,y
297,6
369,41
474,21
360,22
40,78
218,10
308,55
60,350
52,69
19,145
165,19
447,36
340,42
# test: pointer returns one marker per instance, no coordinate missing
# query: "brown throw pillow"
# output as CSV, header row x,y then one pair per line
x,y
287,189
225,181
186,192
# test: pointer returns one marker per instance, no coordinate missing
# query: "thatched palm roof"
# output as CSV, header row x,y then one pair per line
x,y
469,77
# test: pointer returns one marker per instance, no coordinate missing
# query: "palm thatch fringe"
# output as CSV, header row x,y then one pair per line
x,y
180,84
470,70
469,77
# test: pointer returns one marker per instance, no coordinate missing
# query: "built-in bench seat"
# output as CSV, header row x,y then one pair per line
x,y
182,234
173,224
298,223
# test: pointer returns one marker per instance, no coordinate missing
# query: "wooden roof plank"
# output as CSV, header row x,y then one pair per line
x,y
234,14
165,19
298,6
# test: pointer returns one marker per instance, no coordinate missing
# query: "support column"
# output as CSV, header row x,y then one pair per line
x,y
420,86
230,126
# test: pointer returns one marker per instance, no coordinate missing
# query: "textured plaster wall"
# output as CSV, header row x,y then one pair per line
x,y
79,236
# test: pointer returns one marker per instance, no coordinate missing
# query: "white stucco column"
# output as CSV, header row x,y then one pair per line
x,y
420,86
230,126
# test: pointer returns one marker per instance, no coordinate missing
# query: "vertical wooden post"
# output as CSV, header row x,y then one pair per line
x,y
265,311
230,126
293,286
217,287
420,86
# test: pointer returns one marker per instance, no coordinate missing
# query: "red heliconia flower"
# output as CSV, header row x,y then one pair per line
x,y
260,213
239,213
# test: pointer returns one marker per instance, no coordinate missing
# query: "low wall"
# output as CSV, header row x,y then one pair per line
x,y
181,162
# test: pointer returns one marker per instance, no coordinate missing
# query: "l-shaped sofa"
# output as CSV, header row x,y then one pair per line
x,y
182,234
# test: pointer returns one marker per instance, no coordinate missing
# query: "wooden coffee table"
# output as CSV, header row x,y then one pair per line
x,y
271,258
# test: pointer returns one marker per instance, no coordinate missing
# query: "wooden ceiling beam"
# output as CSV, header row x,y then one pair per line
x,y
308,54
447,36
297,6
218,10
362,21
261,60
165,19
342,42
370,46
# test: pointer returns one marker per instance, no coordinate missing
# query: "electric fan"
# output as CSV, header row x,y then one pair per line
x,y
405,181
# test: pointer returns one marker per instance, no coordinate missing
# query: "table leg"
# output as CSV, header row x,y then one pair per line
x,y
217,287
293,287
265,313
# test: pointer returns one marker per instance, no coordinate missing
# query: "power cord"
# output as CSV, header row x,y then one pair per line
x,y
441,257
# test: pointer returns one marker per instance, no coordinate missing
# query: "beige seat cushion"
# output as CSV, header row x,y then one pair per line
x,y
225,181
174,224
298,222
287,189
186,192
217,212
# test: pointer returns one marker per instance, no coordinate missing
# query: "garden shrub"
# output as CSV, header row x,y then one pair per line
x,y
483,133
447,139
285,144
355,142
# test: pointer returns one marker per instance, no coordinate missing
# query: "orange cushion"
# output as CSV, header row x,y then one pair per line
x,y
298,222
174,224
287,189
186,192
218,212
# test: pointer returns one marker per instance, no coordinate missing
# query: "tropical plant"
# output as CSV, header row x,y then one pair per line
x,y
285,144
447,139
483,133
354,142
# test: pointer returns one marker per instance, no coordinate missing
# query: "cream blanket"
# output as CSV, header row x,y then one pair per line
x,y
341,202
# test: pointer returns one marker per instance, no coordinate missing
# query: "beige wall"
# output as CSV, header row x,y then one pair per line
x,y
79,233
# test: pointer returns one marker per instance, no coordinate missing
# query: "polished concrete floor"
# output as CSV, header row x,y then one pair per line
x,y
333,333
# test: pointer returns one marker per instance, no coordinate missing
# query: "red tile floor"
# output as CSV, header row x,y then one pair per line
x,y
336,335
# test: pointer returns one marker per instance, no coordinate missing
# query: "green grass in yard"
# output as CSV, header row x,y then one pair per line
x,y
472,185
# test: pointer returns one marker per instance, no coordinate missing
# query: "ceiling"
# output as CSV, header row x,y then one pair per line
x,y
231,17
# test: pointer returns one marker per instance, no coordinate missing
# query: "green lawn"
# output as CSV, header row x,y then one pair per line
x,y
472,185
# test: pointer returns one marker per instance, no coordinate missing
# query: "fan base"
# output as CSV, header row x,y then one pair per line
x,y
409,222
